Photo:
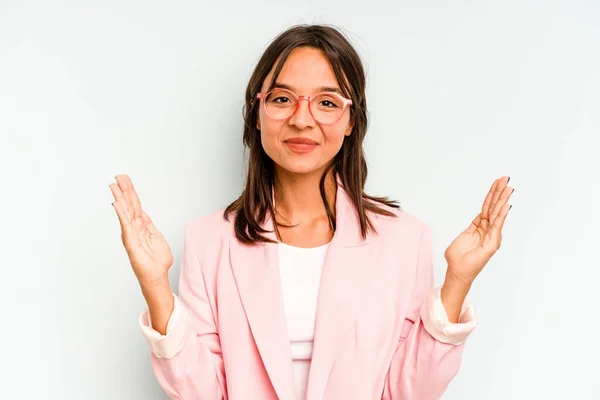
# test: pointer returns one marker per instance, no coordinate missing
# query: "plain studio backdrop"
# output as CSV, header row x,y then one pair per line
x,y
459,94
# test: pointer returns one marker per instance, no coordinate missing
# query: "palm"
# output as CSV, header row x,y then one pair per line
x,y
473,248
149,253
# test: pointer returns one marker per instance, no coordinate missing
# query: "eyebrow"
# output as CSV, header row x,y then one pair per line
x,y
334,89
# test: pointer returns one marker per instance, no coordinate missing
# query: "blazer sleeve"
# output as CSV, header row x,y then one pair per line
x,y
428,355
187,360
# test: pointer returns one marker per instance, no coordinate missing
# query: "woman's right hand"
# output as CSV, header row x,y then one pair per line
x,y
149,253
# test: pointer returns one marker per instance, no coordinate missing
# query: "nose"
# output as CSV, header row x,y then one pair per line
x,y
302,118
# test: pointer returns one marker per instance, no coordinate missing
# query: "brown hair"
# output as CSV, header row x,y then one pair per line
x,y
255,203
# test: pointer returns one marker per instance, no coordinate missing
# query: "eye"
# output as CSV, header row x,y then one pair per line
x,y
328,104
327,101
280,99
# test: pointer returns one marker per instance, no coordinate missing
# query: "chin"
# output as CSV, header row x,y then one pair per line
x,y
301,168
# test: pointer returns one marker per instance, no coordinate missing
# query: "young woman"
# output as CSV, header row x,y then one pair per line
x,y
305,287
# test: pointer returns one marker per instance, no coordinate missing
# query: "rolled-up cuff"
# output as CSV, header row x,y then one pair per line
x,y
435,320
178,331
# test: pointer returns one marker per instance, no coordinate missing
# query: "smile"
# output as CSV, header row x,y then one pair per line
x,y
301,145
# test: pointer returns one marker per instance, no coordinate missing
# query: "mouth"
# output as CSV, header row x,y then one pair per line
x,y
300,145
301,141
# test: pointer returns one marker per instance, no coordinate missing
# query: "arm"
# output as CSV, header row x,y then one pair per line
x,y
182,335
429,352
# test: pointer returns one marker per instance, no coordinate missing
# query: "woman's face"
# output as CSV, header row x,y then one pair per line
x,y
305,72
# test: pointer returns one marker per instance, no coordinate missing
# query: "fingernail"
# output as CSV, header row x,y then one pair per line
x,y
510,207
508,179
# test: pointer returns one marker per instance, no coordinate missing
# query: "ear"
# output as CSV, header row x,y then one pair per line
x,y
349,129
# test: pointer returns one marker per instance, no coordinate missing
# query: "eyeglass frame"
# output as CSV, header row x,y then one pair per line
x,y
262,95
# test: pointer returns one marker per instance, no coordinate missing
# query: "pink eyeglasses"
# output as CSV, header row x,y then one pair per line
x,y
326,107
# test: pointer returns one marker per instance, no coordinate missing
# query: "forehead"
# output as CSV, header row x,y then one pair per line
x,y
305,69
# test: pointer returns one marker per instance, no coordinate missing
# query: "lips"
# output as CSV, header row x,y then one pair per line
x,y
300,140
300,145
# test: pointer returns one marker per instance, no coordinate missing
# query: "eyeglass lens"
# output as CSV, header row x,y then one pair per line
x,y
325,108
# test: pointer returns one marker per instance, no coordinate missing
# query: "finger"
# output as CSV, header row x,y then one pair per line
x,y
137,205
130,195
485,208
126,195
503,199
499,222
495,234
120,204
502,183
122,213
116,192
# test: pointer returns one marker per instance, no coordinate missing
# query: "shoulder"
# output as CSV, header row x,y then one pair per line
x,y
399,223
404,236
209,226
208,231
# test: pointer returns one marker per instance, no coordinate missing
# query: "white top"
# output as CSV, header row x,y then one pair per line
x,y
300,270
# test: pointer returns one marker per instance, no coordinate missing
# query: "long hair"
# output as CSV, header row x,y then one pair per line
x,y
255,204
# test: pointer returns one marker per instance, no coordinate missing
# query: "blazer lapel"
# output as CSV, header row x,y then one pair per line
x,y
345,279
257,276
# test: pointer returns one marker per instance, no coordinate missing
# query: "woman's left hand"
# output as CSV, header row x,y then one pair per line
x,y
473,248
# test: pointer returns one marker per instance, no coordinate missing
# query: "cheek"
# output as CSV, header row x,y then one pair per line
x,y
335,135
334,138
268,141
270,137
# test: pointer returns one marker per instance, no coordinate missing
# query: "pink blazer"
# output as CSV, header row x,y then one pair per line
x,y
381,330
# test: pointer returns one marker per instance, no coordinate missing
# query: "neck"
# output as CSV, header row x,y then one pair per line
x,y
298,196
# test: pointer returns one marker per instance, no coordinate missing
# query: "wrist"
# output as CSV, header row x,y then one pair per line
x,y
453,294
156,287
161,303
454,291
457,278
